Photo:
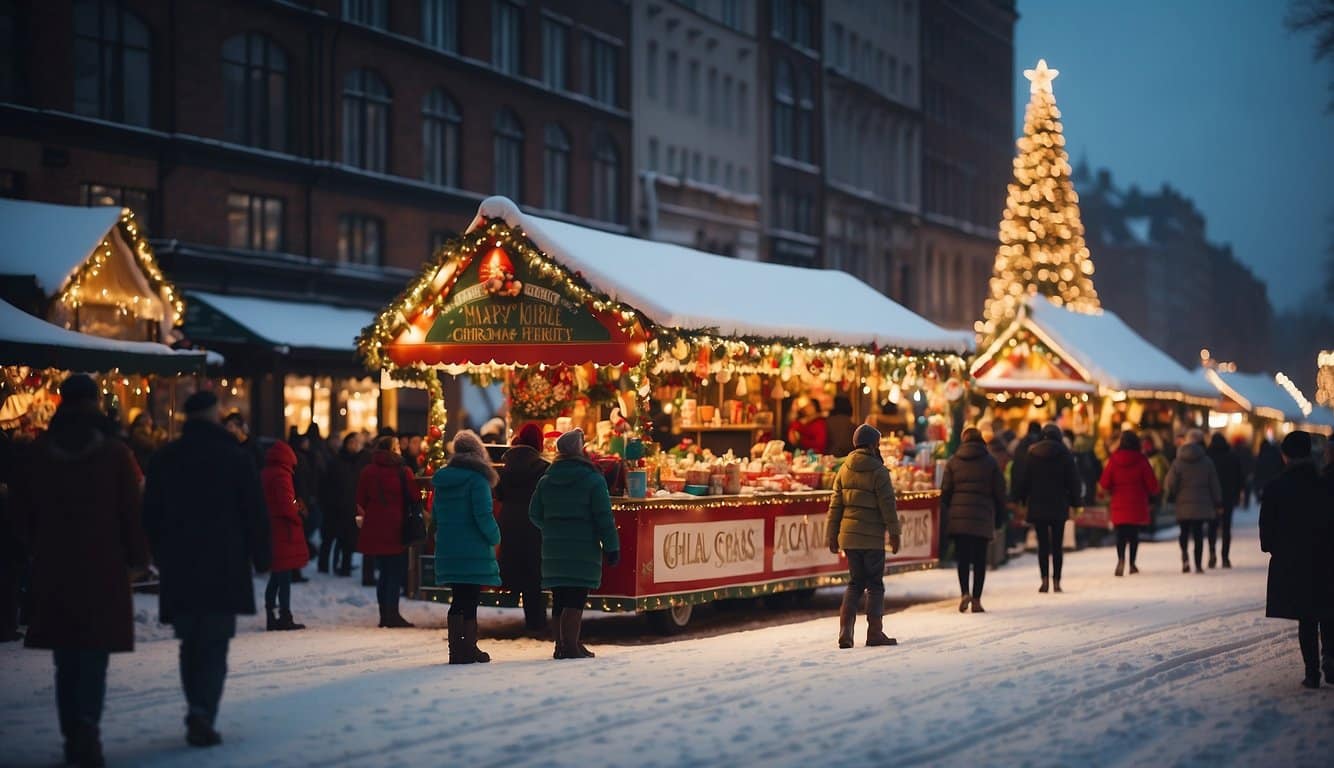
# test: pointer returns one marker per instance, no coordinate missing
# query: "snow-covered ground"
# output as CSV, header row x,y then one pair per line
x,y
1160,668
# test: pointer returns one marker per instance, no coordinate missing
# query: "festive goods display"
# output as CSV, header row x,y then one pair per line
x,y
1042,249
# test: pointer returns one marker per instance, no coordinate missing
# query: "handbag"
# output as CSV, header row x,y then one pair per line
x,y
414,524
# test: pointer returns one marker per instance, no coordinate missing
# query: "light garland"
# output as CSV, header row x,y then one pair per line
x,y
1294,392
72,293
1042,249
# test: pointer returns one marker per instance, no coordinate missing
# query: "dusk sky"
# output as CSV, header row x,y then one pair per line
x,y
1215,97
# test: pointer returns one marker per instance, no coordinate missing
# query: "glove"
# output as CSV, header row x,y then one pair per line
x,y
833,547
894,542
613,557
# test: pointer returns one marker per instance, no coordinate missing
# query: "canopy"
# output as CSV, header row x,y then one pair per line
x,y
31,341
1091,351
241,319
1258,393
681,288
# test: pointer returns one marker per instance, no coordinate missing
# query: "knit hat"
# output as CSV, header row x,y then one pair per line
x,y
530,435
79,388
571,443
866,436
199,402
467,441
1297,445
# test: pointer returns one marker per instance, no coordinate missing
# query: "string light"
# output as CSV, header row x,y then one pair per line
x,y
73,293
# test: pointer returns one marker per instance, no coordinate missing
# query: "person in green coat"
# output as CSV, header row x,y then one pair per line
x,y
466,537
572,508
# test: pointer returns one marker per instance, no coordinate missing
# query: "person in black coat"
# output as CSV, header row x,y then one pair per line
x,y
1021,449
972,500
1297,530
1049,484
207,525
338,499
1268,466
521,541
235,425
1230,479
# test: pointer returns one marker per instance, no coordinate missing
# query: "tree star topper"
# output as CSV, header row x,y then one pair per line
x,y
1041,77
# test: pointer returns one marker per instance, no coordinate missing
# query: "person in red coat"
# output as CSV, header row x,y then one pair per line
x,y
810,432
381,496
1131,481
288,532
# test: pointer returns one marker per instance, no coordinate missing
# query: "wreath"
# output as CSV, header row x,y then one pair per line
x,y
542,394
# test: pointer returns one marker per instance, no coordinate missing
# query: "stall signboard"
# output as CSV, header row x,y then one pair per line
x,y
802,541
692,551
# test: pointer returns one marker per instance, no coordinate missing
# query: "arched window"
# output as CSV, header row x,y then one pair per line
x,y
254,90
365,121
508,155
112,48
606,179
441,125
556,169
785,104
805,118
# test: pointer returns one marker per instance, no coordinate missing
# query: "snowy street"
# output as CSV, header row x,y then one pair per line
x,y
1155,669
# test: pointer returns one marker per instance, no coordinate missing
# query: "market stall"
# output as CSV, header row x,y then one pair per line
x,y
621,336
1261,406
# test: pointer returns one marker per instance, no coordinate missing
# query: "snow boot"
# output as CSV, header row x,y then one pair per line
x,y
1120,567
1227,563
271,619
1134,569
88,746
1311,682
285,622
847,620
571,623
977,605
390,618
1213,560
875,618
459,652
198,733
470,637
556,635
963,603
1185,564
1044,588
1056,586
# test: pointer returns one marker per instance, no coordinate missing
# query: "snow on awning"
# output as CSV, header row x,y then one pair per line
x,y
48,241
682,288
31,341
1257,393
276,323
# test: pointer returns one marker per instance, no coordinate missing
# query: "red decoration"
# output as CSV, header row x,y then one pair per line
x,y
497,273
434,432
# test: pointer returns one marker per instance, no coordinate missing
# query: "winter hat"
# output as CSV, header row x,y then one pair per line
x,y
531,436
1297,445
971,435
199,402
79,388
467,442
1052,432
866,436
571,443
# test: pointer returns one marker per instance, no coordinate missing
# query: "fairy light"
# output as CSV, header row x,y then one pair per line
x,y
1294,392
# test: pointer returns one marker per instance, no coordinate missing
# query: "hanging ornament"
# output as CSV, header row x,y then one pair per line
x,y
724,375
777,393
434,432
702,363
742,389
680,350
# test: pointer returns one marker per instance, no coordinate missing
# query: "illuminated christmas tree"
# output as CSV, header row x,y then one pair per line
x,y
1042,247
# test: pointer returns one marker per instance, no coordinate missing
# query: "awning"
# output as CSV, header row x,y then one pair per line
x,y
50,242
284,325
31,341
1257,393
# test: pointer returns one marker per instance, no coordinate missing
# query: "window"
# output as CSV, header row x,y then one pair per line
x,y
907,82
254,89
785,108
365,121
606,179
360,239
696,170
743,180
653,155
782,18
727,176
651,72
600,63
731,14
372,13
743,108
803,24
441,125
506,36
254,222
555,47
671,161
840,52
138,200
440,24
692,88
556,169
805,118
673,67
728,102
508,155
111,62
713,170
711,96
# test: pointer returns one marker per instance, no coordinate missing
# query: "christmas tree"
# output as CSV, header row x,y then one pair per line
x,y
1042,247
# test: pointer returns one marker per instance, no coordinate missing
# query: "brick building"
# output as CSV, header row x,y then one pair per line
x,y
315,151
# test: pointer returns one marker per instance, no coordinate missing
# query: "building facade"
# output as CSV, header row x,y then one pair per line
x,y
695,101
967,49
316,151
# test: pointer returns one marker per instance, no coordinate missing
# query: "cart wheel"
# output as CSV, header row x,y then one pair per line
x,y
672,620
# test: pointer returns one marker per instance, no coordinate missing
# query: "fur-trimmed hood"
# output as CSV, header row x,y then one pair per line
x,y
470,454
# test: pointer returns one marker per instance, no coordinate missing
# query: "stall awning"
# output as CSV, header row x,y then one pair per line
x,y
31,341
1092,349
1257,393
50,242
215,318
687,289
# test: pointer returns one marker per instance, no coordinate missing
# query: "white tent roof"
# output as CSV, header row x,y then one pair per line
x,y
49,241
1260,390
683,288
1113,355
291,323
29,340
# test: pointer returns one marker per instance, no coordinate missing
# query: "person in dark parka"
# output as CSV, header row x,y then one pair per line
x,y
1192,484
207,527
521,555
338,537
465,540
1021,449
78,510
1230,481
1049,483
1268,466
972,496
1297,530
573,509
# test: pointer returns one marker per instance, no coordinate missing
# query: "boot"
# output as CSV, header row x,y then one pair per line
x,y
1213,560
459,652
977,605
470,639
198,732
847,620
270,619
1120,567
1185,562
1134,569
571,620
285,622
875,617
88,746
1044,588
396,621
1227,563
1056,586
299,578
1329,669
556,635
963,603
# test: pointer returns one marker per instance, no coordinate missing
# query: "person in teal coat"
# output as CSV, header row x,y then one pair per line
x,y
573,509
466,537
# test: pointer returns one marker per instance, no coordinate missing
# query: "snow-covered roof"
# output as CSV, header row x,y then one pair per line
x,y
687,289
1260,391
1111,353
29,340
292,323
50,241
